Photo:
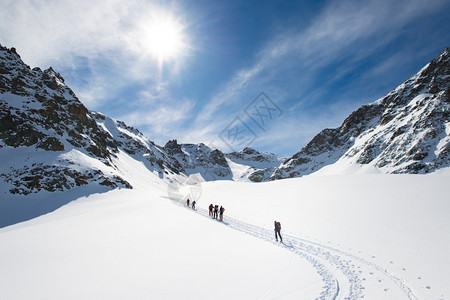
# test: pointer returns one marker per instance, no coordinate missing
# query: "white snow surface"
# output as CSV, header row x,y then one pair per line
x,y
371,236
240,171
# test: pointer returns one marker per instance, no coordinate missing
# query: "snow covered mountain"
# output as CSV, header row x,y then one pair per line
x,y
248,161
255,159
199,159
406,131
50,142
54,143
57,144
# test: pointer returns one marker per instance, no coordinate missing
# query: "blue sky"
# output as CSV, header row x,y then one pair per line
x,y
266,74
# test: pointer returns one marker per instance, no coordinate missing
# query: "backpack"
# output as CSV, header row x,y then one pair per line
x,y
278,225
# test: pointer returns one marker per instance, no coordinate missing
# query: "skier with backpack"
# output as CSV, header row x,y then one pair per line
x,y
221,213
216,210
277,231
187,202
211,210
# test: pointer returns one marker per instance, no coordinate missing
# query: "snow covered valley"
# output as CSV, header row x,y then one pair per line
x,y
90,208
371,236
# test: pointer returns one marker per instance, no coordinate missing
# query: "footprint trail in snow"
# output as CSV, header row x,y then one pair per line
x,y
345,275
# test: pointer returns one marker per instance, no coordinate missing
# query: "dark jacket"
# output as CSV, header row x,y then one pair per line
x,y
277,226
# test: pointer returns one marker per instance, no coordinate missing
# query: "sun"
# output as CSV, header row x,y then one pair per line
x,y
165,38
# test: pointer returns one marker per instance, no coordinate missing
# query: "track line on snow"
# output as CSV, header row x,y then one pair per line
x,y
330,289
341,272
391,276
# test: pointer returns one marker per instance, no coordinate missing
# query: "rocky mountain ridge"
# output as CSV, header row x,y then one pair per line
x,y
199,159
43,124
43,120
256,159
406,131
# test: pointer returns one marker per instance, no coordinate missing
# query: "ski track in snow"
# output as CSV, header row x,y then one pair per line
x,y
344,275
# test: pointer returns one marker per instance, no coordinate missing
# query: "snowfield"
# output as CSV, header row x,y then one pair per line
x,y
136,245
371,236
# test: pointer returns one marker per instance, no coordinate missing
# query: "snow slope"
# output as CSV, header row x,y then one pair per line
x,y
135,244
366,236
399,223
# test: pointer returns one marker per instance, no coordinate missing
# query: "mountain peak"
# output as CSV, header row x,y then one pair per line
x,y
443,56
10,53
406,131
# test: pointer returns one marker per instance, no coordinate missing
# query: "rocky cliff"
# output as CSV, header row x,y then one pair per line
x,y
406,131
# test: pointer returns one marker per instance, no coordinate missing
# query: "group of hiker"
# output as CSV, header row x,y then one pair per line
x,y
215,211
193,203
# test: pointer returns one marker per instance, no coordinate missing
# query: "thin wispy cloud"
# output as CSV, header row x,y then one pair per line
x,y
345,31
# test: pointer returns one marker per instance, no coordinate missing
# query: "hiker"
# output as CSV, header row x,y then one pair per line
x,y
221,213
211,210
216,210
187,201
277,231
193,204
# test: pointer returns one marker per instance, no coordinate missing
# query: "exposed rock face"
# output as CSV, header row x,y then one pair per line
x,y
199,158
254,158
51,178
38,110
406,131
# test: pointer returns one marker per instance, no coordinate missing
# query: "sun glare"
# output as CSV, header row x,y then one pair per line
x,y
165,38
